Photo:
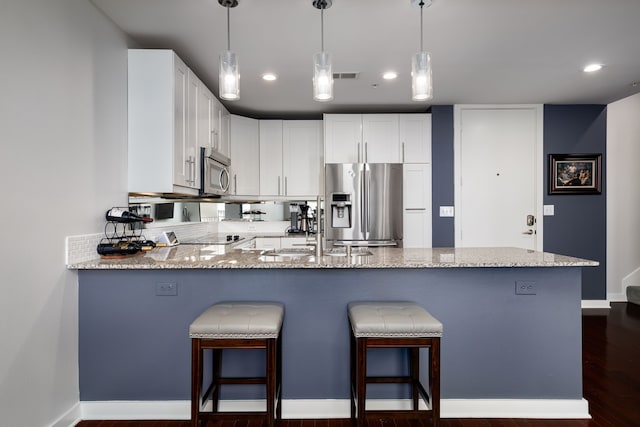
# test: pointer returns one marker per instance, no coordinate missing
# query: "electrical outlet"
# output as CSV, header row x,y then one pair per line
x,y
446,211
166,289
525,287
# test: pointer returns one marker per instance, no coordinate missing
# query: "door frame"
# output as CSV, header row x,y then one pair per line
x,y
538,163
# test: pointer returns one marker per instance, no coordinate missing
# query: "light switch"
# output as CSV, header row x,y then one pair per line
x,y
548,210
446,211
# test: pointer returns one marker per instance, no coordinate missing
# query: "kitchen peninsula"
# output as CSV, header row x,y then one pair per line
x,y
512,324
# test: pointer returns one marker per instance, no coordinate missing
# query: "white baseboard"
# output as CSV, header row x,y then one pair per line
x,y
70,418
596,303
617,297
339,408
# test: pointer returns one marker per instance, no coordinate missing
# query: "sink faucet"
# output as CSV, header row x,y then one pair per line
x,y
316,244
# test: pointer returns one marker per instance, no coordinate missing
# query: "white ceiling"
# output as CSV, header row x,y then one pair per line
x,y
491,51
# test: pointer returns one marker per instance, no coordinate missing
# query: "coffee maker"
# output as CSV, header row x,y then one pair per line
x,y
301,222
305,222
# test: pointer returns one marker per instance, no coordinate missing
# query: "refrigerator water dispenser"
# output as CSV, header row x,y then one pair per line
x,y
341,210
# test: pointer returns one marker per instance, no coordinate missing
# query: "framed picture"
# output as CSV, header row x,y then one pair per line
x,y
575,173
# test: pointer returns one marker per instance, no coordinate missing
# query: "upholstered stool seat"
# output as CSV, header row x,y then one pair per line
x,y
385,324
237,325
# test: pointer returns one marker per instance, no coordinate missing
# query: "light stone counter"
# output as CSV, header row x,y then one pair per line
x,y
217,257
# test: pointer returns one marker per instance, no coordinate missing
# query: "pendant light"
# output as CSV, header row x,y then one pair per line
x,y
229,79
322,71
421,80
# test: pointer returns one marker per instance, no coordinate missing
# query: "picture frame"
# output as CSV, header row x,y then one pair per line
x,y
575,173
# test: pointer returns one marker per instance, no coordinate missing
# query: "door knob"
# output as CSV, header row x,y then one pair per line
x,y
529,232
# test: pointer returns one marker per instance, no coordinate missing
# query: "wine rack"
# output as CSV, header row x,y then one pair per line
x,y
123,237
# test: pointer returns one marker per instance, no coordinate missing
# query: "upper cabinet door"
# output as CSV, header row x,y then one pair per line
x,y
271,179
343,138
206,118
415,138
380,136
224,141
301,154
181,125
245,149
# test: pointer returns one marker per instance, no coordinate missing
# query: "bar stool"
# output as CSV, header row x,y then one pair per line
x,y
394,325
237,325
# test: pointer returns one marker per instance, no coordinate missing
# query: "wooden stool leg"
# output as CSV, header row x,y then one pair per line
x,y
414,371
216,373
434,381
361,377
279,378
271,381
196,380
352,372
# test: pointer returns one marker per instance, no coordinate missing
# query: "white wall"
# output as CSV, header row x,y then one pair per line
x,y
62,164
623,197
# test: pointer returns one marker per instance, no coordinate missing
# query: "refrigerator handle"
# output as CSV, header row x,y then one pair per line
x,y
363,228
366,195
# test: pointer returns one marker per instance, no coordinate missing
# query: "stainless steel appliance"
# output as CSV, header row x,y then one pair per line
x,y
363,204
214,173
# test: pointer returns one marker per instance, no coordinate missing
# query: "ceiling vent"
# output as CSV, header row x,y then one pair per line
x,y
345,76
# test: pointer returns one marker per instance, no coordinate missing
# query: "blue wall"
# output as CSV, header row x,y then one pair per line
x,y
442,174
134,345
579,225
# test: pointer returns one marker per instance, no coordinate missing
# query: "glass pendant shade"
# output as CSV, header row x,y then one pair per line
x,y
229,81
421,82
322,77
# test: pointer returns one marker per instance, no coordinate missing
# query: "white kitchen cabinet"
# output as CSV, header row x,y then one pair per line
x,y
290,158
353,138
301,157
222,144
298,242
271,176
380,138
245,156
198,129
417,205
217,138
160,157
415,138
342,138
207,118
267,243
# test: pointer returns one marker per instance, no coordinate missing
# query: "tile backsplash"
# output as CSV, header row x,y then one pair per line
x,y
83,247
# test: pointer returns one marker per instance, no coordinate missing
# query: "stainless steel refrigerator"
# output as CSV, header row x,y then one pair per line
x,y
363,204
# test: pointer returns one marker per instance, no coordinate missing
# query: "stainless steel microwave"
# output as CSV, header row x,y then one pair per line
x,y
214,172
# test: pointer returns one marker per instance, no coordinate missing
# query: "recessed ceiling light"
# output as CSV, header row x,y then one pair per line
x,y
269,77
592,67
390,75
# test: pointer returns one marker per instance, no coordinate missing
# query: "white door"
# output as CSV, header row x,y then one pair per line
x,y
498,165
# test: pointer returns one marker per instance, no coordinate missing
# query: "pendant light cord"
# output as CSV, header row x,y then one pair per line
x,y
322,29
228,30
421,33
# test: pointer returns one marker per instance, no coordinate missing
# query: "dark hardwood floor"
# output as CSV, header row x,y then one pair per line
x,y
611,370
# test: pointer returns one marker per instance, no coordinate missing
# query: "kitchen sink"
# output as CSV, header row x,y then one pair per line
x,y
284,255
341,251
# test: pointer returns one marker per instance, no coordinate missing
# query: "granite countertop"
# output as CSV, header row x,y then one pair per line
x,y
213,256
